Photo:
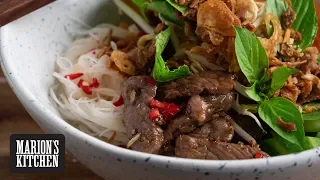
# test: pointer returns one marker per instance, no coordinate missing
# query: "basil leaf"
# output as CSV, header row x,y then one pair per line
x,y
312,125
279,146
277,7
249,92
140,4
306,22
311,142
251,55
161,72
311,104
165,9
279,77
318,60
311,116
181,9
269,111
306,18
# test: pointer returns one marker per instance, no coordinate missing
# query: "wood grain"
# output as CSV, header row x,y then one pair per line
x,y
11,10
15,120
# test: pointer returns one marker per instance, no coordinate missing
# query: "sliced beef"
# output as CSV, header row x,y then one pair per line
x,y
203,148
220,128
199,111
213,82
180,125
137,94
201,108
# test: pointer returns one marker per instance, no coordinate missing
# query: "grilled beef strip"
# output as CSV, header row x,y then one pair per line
x,y
137,94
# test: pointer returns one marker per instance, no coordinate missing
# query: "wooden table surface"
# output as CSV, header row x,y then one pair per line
x,y
15,120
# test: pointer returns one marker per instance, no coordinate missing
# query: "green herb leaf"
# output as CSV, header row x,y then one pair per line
x,y
142,7
318,60
269,111
311,116
251,55
315,105
139,3
277,7
279,77
306,22
181,9
249,92
311,142
312,125
165,9
279,146
161,72
306,18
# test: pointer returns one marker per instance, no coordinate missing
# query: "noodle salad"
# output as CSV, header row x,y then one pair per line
x,y
235,79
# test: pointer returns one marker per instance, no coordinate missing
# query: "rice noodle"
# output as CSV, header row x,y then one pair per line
x,y
271,20
202,60
241,132
133,140
252,13
94,114
144,39
237,107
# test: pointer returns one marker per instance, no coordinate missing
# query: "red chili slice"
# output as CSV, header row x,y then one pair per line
x,y
259,155
119,102
80,83
168,110
167,116
157,104
154,114
95,83
73,76
86,89
151,81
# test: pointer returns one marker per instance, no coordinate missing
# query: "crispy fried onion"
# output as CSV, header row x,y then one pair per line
x,y
248,10
121,60
314,79
271,20
261,13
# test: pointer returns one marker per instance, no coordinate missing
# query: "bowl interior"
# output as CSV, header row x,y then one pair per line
x,y
34,43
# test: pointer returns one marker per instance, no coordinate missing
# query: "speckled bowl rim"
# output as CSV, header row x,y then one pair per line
x,y
26,96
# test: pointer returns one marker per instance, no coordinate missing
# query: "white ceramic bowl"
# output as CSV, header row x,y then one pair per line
x,y
28,49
